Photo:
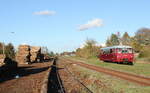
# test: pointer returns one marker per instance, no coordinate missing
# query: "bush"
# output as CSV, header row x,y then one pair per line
x,y
145,53
89,50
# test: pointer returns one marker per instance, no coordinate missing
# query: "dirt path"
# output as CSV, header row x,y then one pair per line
x,y
29,81
130,77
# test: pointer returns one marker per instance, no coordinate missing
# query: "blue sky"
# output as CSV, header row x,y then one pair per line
x,y
56,23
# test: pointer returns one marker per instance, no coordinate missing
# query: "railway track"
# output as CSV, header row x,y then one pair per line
x,y
123,75
76,79
54,81
55,84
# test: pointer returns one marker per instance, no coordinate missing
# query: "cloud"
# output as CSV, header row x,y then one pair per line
x,y
91,24
46,12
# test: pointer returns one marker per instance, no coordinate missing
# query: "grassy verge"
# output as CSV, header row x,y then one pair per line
x,y
143,60
138,68
101,83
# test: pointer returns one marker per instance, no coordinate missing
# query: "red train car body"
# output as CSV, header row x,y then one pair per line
x,y
117,54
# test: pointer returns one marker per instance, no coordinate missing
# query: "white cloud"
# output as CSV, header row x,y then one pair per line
x,y
91,24
46,12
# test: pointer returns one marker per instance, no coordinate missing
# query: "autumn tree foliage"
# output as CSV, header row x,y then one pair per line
x,y
136,45
10,51
140,42
143,36
1,48
145,52
89,50
113,40
126,39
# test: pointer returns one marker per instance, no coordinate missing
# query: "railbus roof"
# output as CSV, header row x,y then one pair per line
x,y
116,47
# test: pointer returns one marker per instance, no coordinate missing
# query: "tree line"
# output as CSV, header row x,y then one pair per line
x,y
8,50
140,43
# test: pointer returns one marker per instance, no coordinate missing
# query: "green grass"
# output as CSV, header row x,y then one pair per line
x,y
111,84
138,68
143,60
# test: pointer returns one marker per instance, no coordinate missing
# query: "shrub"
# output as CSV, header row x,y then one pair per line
x,y
89,50
145,53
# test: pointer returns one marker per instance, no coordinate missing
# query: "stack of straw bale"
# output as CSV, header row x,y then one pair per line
x,y
23,54
35,53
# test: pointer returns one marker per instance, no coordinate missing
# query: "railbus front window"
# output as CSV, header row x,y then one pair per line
x,y
124,50
111,50
127,50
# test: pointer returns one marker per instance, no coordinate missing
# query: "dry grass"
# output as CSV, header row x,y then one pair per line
x,y
138,68
101,83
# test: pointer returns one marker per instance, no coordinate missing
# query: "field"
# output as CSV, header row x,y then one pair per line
x,y
138,68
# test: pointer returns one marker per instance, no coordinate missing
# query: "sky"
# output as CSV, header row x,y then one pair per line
x,y
64,25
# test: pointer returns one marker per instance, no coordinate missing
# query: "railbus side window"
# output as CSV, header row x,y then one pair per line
x,y
104,52
107,51
114,50
119,50
111,51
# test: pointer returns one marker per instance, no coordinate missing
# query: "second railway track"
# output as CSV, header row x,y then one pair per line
x,y
127,76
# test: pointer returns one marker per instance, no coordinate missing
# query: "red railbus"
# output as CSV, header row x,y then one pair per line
x,y
119,54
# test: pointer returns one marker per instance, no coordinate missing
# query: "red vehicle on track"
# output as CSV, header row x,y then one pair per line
x,y
119,54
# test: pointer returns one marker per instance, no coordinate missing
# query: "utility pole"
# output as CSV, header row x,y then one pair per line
x,y
119,38
4,45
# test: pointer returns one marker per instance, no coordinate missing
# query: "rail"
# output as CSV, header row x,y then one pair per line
x,y
54,82
76,79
